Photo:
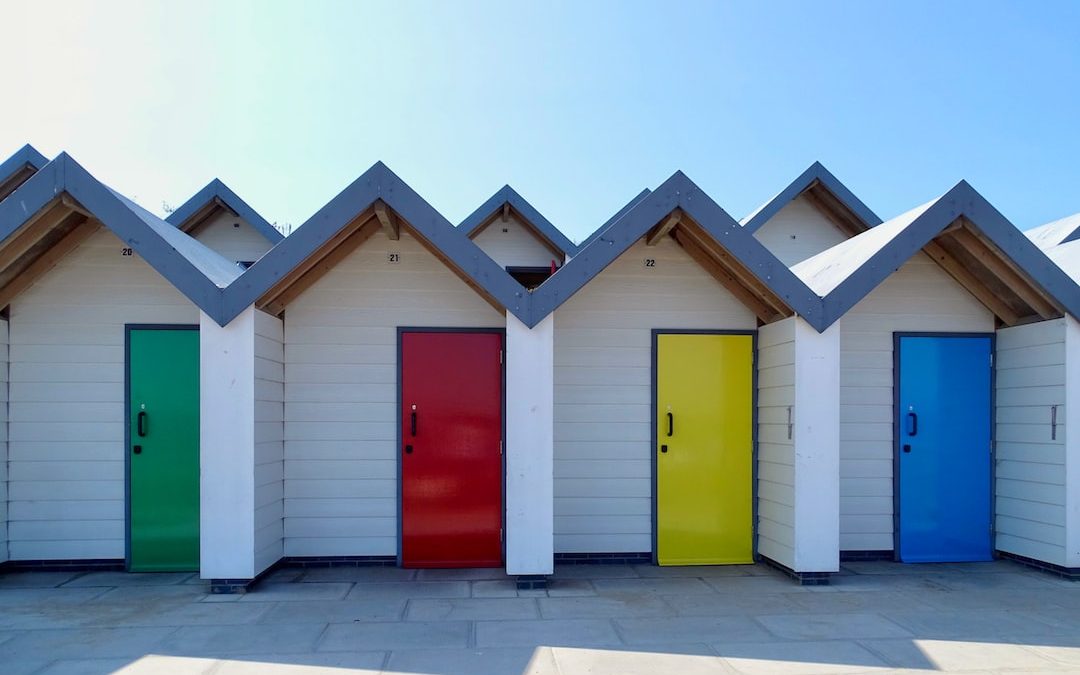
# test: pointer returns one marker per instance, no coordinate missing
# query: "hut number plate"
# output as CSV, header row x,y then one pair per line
x,y
650,262
125,251
393,258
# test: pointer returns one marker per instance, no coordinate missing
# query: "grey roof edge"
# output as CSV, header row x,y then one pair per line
x,y
598,232
961,200
678,191
217,188
508,195
134,228
815,173
26,156
378,182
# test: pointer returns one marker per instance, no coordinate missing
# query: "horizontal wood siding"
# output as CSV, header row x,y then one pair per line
x,y
66,447
269,440
3,441
1030,464
516,247
603,390
776,450
797,232
341,391
920,296
242,243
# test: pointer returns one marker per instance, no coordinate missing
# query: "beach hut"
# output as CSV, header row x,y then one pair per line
x,y
942,456
217,217
681,353
101,370
15,170
518,237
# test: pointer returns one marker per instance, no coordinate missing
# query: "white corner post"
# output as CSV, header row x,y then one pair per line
x,y
816,436
1072,444
227,451
530,445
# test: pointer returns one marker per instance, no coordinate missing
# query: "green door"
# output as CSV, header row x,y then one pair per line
x,y
163,419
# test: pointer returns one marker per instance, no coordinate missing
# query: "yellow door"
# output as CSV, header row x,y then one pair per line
x,y
704,446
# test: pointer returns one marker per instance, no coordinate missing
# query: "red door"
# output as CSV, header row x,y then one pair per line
x,y
451,461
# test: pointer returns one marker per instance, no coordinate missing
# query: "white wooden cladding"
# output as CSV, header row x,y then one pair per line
x,y
243,243
269,440
603,365
919,296
66,447
776,447
340,472
797,232
518,246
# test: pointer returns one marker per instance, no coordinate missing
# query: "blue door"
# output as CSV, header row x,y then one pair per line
x,y
943,422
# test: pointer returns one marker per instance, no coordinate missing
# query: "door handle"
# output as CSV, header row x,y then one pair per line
x,y
412,421
913,424
141,423
670,424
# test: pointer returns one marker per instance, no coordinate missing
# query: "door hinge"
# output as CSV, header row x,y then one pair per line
x,y
500,447
500,357
500,535
991,359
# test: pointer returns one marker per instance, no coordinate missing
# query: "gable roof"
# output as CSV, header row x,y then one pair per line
x,y
969,238
1058,232
62,204
216,195
599,232
712,237
1067,257
15,170
826,193
533,220
378,198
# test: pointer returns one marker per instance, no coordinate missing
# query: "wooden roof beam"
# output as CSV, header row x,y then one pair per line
x,y
32,231
1000,268
968,280
318,271
386,219
48,260
659,232
506,212
312,260
725,278
735,268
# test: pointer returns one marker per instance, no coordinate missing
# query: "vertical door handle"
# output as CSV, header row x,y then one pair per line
x,y
913,424
412,421
141,423
670,424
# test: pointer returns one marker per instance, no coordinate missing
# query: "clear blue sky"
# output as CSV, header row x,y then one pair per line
x,y
578,105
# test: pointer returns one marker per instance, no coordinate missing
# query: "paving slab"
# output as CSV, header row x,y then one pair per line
x,y
361,574
758,584
404,590
993,625
570,588
341,637
724,604
44,597
151,664
564,633
35,579
82,643
854,601
344,611
296,592
605,607
697,571
594,572
851,626
124,579
495,588
987,599
329,663
247,639
673,630
471,609
954,655
179,593
475,574
983,582
191,614
800,658
523,661
658,586
684,659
